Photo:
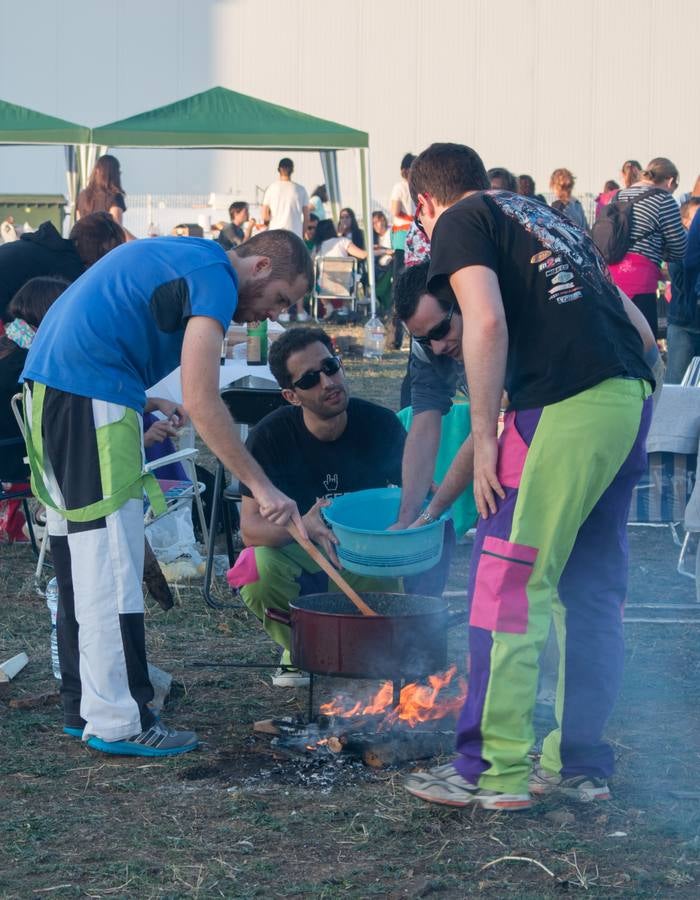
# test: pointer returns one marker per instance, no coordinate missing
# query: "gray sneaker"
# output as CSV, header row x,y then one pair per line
x,y
155,741
583,788
445,785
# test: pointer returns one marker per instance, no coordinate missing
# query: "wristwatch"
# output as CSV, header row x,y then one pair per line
x,y
426,517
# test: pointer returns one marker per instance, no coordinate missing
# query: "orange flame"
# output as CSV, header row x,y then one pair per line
x,y
418,702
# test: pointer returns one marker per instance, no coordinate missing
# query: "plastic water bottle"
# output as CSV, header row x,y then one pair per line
x,y
52,603
375,336
257,343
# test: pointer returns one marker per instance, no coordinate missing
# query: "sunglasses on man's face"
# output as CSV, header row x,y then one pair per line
x,y
437,332
329,366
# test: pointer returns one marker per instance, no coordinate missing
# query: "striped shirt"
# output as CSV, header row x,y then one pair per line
x,y
660,215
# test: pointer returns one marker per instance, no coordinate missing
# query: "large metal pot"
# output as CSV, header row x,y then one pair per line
x,y
407,637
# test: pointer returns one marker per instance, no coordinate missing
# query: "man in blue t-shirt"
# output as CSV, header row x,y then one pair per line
x,y
131,319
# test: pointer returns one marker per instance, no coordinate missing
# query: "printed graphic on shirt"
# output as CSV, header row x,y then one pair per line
x,y
330,483
556,233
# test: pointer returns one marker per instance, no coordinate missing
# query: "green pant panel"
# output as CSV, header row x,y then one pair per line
x,y
279,570
578,447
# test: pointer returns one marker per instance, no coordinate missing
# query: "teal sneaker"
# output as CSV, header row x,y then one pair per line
x,y
154,741
73,732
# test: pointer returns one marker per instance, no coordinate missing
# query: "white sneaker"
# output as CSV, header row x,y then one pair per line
x,y
303,316
444,785
290,677
583,788
283,317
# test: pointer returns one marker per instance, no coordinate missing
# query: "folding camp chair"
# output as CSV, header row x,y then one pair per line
x,y
177,493
11,489
335,281
249,399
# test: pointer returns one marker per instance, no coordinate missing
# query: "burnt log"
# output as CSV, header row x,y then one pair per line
x,y
401,747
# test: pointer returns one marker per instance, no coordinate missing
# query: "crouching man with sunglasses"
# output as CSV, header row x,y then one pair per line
x,y
322,444
436,376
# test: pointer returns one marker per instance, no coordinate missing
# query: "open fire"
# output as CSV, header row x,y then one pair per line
x,y
418,703
420,726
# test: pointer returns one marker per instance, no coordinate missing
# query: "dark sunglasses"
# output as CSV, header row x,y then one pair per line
x,y
329,366
437,332
416,219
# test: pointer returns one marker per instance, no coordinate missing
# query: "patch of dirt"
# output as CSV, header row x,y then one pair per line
x,y
237,819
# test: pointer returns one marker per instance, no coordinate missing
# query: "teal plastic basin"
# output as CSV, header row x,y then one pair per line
x,y
360,521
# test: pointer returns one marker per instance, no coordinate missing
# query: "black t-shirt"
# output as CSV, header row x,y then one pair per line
x,y
567,327
99,201
366,455
434,380
231,236
42,252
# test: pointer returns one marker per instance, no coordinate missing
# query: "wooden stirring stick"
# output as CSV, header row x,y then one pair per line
x,y
330,570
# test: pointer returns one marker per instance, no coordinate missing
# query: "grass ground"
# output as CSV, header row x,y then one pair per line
x,y
234,821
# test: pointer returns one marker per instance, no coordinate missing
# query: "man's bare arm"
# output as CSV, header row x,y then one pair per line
x,y
458,476
211,418
418,463
258,532
485,348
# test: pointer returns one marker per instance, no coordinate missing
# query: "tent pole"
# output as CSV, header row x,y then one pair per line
x,y
71,152
365,184
329,164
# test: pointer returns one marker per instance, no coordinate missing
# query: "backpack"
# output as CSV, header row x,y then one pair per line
x,y
612,228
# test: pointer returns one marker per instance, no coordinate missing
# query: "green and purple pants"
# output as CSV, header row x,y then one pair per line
x,y
557,546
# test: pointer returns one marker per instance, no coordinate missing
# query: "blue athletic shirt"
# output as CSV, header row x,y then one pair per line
x,y
119,328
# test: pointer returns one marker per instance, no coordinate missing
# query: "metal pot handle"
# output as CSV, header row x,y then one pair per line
x,y
278,616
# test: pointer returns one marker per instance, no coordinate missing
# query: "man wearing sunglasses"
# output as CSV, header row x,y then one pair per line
x,y
435,375
322,444
542,319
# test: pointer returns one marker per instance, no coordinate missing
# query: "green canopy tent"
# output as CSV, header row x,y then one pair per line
x,y
219,118
20,125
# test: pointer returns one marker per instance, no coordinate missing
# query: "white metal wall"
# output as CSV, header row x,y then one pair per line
x,y
531,84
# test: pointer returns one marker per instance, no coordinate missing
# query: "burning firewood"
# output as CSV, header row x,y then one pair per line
x,y
405,747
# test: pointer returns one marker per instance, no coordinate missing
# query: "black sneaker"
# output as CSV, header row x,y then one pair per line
x,y
155,741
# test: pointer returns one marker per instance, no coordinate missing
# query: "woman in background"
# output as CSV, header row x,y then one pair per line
x,y
329,243
656,234
562,183
630,173
348,227
317,202
607,195
104,191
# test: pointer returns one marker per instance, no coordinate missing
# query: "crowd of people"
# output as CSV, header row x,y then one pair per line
x,y
506,299
653,260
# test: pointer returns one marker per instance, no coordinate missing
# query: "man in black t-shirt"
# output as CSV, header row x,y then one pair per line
x,y
322,444
239,228
541,318
436,374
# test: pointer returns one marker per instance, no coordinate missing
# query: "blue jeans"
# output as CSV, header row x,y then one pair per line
x,y
683,345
